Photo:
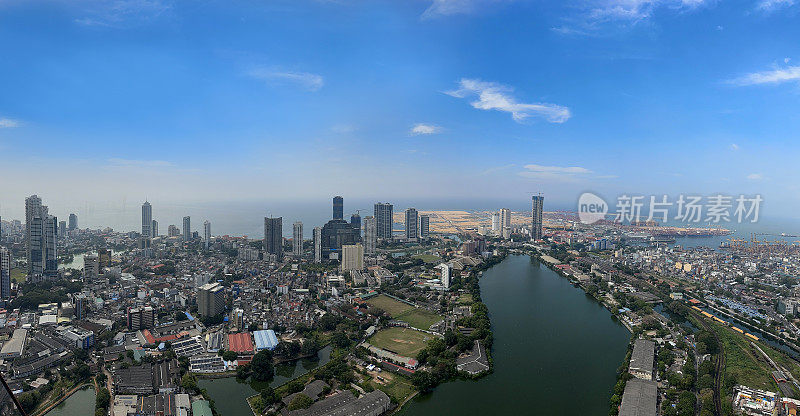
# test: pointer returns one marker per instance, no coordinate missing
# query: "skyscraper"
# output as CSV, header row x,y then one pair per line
x,y
5,274
273,237
424,225
338,208
355,221
187,228
210,299
147,220
412,223
384,220
206,234
41,231
536,217
505,222
317,244
62,229
370,237
297,239
352,257
495,223
154,228
73,222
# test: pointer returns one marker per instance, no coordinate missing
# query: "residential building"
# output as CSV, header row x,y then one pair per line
x,y
412,224
338,208
187,228
370,235
352,257
424,225
206,234
91,267
297,239
384,220
154,228
73,222
317,244
211,299
147,220
273,237
536,217
5,274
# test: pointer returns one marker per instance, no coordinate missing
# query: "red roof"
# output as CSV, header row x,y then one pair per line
x,y
241,342
149,337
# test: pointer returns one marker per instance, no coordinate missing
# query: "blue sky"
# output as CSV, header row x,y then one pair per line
x,y
236,100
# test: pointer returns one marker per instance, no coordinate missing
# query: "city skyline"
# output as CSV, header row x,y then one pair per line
x,y
652,97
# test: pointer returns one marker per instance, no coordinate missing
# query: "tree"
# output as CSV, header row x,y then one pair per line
x,y
301,401
261,366
103,398
230,355
269,397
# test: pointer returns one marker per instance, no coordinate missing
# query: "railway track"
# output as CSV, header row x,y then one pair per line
x,y
718,368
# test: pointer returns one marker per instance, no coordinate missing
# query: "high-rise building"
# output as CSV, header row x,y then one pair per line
x,y
444,274
41,232
141,318
104,257
384,220
147,220
536,217
505,222
352,257
273,237
173,230
73,222
338,208
154,228
495,223
424,225
206,234
297,239
91,267
62,229
5,274
370,235
211,299
412,223
355,221
187,228
317,244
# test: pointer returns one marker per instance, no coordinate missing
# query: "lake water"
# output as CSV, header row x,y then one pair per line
x,y
556,350
230,395
81,403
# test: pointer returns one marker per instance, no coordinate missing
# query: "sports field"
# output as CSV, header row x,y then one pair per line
x,y
391,306
416,317
419,318
404,341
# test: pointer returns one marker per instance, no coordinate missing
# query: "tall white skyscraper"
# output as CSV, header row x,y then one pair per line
x,y
370,235
412,223
297,239
41,231
505,222
206,234
147,220
536,217
154,228
187,228
424,225
317,244
495,223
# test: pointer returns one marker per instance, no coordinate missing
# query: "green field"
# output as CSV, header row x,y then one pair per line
x,y
391,306
465,299
749,368
399,388
428,258
419,318
403,341
18,275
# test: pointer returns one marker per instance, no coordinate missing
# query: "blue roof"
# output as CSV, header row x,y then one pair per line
x,y
188,315
265,339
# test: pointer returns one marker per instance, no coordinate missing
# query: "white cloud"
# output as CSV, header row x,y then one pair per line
x,y
9,123
772,5
734,146
422,128
122,12
596,16
306,80
774,76
440,8
755,176
494,96
554,172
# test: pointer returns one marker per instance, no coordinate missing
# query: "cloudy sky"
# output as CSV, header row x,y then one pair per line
x,y
236,100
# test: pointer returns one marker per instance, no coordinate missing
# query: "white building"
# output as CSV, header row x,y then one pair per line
x,y
206,234
352,257
444,274
297,239
317,244
370,235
